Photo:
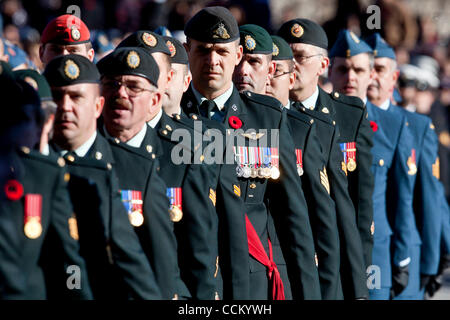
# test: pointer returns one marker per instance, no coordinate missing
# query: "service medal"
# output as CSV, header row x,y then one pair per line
x,y
351,165
32,219
132,200
175,198
136,218
175,213
275,173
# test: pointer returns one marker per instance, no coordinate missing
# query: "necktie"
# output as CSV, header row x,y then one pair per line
x,y
298,105
206,107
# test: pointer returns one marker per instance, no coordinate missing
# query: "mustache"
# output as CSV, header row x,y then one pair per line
x,y
122,103
244,79
374,84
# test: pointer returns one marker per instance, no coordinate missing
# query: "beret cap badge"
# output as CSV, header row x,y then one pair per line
x,y
133,59
172,49
354,37
275,51
297,30
250,43
71,69
221,32
75,33
149,39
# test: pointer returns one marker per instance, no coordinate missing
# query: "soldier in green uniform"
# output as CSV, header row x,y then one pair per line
x,y
276,218
309,45
39,237
117,266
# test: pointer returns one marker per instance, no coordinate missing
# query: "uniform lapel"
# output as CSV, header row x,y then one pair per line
x,y
234,106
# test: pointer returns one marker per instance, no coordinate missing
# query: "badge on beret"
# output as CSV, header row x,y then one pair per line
x,y
71,70
31,82
275,50
354,37
221,32
149,39
250,43
297,30
133,59
75,33
172,48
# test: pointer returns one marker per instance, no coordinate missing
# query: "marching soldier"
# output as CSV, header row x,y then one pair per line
x,y
350,73
117,266
309,44
423,166
256,67
276,217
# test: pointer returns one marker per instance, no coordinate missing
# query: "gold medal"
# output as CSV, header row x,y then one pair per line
x,y
351,164
136,218
175,213
33,228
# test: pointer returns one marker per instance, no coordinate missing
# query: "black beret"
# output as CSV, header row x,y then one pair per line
x,y
255,39
212,25
281,49
71,69
130,61
148,40
37,81
178,53
304,31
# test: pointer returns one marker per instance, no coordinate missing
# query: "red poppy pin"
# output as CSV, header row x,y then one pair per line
x,y
13,190
374,126
235,122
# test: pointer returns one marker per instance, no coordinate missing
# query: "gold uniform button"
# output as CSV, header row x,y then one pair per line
x,y
66,177
381,162
149,148
336,95
26,150
109,166
164,132
168,127
153,156
61,162
177,116
116,140
194,116
70,158
311,121
202,157
98,155
252,186
334,123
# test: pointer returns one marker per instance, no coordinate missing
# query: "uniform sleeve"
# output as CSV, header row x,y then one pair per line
x,y
290,214
322,213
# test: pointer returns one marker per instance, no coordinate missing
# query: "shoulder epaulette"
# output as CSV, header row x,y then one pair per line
x,y
261,99
136,151
92,163
303,117
36,155
323,117
348,100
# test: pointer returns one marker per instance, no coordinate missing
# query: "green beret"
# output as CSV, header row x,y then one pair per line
x,y
281,49
178,53
304,31
130,61
37,81
148,40
255,39
71,69
212,25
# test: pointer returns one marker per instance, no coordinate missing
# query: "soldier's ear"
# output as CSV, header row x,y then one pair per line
x,y
324,63
187,80
91,54
99,103
239,54
395,75
292,78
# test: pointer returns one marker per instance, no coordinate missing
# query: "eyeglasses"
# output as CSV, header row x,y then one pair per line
x,y
280,73
131,88
302,59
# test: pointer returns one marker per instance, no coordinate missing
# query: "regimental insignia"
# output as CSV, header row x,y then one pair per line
x,y
275,50
32,218
149,39
325,110
71,69
212,196
297,30
253,135
217,267
221,32
324,179
344,167
249,43
436,170
372,228
175,208
31,82
172,49
237,190
73,227
132,200
349,151
299,161
354,37
133,59
75,33
411,162
444,138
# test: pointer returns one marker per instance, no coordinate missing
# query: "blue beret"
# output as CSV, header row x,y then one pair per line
x,y
348,45
380,47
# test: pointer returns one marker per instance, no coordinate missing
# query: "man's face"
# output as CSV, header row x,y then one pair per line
x,y
165,74
384,79
79,106
212,64
282,81
49,51
351,76
253,72
128,100
179,84
308,65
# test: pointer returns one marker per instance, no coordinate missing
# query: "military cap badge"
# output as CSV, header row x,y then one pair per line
x,y
275,50
221,32
71,69
172,49
31,82
149,39
354,37
297,30
250,43
133,59
75,33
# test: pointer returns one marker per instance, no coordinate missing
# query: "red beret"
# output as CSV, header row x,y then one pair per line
x,y
66,29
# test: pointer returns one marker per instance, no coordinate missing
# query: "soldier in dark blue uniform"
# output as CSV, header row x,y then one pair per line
x,y
309,44
424,240
276,218
350,73
117,266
